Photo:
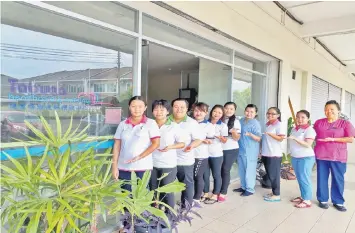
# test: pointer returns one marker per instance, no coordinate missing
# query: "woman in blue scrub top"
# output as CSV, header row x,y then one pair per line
x,y
249,148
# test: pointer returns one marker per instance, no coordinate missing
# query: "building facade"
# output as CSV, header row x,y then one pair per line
x,y
87,59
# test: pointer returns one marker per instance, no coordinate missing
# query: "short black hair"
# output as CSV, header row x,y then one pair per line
x,y
162,103
201,106
231,103
305,112
180,99
277,110
252,106
137,97
214,107
334,102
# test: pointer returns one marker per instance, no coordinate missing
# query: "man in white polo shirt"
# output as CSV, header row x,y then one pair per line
x,y
186,156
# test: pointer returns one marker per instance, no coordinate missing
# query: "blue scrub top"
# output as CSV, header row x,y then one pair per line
x,y
248,146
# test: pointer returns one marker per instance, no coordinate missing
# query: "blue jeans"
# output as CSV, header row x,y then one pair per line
x,y
303,170
247,171
337,169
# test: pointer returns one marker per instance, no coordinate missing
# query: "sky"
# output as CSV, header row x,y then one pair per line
x,y
25,54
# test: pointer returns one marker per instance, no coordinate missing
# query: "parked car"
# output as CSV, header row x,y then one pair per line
x,y
13,125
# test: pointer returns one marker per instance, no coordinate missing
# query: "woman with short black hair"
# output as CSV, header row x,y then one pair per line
x,y
331,151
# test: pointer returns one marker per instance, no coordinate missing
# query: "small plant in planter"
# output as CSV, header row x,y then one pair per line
x,y
155,224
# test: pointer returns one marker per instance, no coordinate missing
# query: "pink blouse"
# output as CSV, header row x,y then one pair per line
x,y
332,151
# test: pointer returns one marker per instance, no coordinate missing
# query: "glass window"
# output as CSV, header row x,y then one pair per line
x,y
109,12
249,88
249,63
78,70
176,36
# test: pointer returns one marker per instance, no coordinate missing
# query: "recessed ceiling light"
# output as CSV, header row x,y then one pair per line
x,y
169,69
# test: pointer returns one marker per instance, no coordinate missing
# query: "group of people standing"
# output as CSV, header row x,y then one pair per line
x,y
210,141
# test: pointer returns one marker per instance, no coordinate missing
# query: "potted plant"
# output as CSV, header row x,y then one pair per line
x,y
156,224
67,188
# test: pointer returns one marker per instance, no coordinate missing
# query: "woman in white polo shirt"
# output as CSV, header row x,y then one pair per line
x,y
301,140
231,147
135,140
272,153
200,111
215,150
165,157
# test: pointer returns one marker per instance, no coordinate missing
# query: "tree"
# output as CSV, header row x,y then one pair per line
x,y
242,98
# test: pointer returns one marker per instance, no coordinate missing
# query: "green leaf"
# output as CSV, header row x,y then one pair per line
x,y
37,132
163,176
10,171
160,214
44,156
60,224
49,213
59,126
19,167
29,161
64,163
71,223
48,129
52,169
71,210
69,128
34,221
173,187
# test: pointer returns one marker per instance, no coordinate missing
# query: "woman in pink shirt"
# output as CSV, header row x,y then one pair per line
x,y
333,134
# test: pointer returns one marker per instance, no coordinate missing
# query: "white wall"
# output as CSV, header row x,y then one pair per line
x,y
214,82
164,85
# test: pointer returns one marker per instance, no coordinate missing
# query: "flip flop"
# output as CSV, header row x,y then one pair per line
x,y
303,205
210,201
297,200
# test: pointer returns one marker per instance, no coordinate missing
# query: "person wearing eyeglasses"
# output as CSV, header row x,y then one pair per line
x,y
135,140
186,156
333,134
249,148
165,157
271,152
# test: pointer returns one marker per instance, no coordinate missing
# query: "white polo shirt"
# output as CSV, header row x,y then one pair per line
x,y
135,139
302,134
208,132
192,131
170,134
269,146
232,144
216,148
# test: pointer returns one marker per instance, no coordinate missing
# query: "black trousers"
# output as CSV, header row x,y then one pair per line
x,y
229,157
185,174
201,165
215,165
155,183
273,168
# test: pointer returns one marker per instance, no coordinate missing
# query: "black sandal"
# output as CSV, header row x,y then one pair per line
x,y
210,201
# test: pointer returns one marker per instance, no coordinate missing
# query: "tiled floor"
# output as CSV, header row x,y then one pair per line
x,y
252,214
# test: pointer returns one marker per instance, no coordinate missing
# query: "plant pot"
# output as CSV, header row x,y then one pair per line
x,y
145,230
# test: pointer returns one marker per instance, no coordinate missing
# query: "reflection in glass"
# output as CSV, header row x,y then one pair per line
x,y
176,36
67,76
109,12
